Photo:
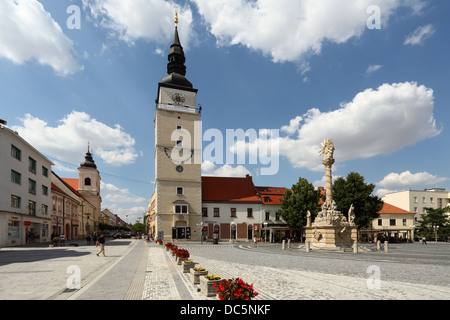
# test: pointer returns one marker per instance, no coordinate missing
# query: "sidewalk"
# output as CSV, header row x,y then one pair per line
x,y
165,280
40,272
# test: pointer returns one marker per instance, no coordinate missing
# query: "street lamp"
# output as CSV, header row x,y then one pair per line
x,y
265,232
436,228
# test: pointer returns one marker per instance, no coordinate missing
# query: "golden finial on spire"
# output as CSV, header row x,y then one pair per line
x,y
176,18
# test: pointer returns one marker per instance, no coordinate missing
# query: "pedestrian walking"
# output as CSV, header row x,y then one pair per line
x,y
424,240
101,242
254,242
88,239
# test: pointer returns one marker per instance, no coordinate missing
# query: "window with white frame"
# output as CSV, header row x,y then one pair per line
x,y
181,208
180,190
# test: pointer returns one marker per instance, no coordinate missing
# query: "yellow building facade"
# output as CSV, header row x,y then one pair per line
x,y
175,208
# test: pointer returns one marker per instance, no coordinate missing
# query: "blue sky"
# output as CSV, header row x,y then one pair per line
x,y
310,69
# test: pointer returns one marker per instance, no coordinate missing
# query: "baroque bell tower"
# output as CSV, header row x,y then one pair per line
x,y
89,184
177,198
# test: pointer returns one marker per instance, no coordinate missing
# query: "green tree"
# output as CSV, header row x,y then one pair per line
x,y
138,227
435,221
354,190
297,201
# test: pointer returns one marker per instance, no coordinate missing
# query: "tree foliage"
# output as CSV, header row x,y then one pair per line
x,y
138,227
354,190
435,222
297,201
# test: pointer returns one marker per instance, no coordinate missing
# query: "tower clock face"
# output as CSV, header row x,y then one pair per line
x,y
178,98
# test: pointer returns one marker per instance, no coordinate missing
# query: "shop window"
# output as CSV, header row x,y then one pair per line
x,y
15,201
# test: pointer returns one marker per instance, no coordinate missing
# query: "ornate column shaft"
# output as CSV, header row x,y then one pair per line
x,y
328,162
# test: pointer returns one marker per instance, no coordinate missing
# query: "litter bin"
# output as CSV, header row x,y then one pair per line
x,y
215,238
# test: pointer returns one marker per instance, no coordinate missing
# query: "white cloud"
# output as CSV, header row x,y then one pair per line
x,y
114,195
293,126
406,179
373,68
375,122
28,32
111,144
129,215
420,35
60,167
209,169
289,30
323,182
142,19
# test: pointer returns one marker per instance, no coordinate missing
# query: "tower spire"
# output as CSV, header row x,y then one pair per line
x,y
176,69
88,160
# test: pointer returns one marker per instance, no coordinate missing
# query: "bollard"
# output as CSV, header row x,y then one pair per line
x,y
283,245
307,246
386,246
289,244
378,245
355,247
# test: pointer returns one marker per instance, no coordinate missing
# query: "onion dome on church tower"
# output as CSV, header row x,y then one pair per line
x,y
88,161
176,69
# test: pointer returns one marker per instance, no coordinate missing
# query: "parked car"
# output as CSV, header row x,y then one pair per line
x,y
126,235
116,235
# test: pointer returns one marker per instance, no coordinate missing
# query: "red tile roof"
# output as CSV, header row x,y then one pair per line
x,y
227,189
390,209
271,195
73,183
54,187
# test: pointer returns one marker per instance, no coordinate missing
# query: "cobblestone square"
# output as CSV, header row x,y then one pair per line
x,y
137,270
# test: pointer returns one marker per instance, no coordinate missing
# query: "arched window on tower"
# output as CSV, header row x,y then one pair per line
x,y
87,181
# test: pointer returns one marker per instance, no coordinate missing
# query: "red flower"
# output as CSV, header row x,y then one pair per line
x,y
235,289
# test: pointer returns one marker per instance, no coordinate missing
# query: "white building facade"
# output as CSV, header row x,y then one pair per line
x,y
25,191
231,209
417,201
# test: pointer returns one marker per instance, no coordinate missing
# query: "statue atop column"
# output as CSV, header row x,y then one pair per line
x,y
330,230
329,214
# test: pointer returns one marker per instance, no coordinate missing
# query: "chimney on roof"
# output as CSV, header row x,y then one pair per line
x,y
247,176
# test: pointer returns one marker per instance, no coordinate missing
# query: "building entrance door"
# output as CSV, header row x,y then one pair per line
x,y
181,233
250,232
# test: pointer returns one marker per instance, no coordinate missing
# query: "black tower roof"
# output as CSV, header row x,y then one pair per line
x,y
176,69
88,161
